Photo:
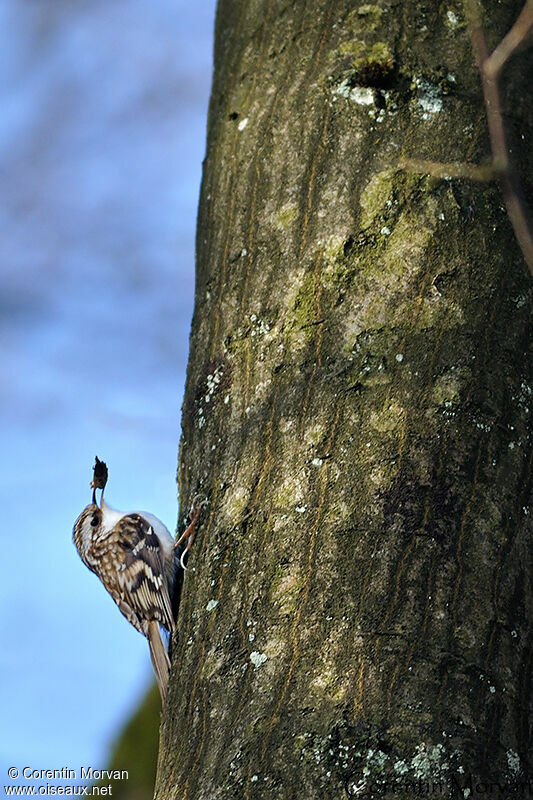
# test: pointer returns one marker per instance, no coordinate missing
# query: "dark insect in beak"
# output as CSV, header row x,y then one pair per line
x,y
99,478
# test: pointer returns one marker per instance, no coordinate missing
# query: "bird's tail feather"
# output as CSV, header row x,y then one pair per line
x,y
160,659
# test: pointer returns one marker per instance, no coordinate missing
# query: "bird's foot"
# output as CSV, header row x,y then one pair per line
x,y
198,504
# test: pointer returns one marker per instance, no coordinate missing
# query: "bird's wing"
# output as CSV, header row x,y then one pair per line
x,y
130,563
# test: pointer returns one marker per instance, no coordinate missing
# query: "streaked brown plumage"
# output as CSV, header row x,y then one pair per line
x,y
130,561
138,562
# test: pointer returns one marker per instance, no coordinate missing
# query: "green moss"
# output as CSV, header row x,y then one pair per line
x,y
365,18
375,196
388,418
333,249
354,47
288,494
336,261
404,218
393,267
319,287
304,309
388,192
379,56
404,245
372,64
286,216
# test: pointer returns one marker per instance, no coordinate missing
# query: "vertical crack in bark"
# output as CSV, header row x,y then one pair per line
x,y
294,631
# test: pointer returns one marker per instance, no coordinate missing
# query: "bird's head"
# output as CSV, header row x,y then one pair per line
x,y
88,521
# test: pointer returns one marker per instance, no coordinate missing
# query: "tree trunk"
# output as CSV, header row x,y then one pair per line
x,y
357,616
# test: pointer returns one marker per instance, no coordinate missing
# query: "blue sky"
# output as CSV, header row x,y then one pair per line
x,y
102,134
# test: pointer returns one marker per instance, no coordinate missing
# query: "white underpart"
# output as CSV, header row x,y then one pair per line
x,y
110,517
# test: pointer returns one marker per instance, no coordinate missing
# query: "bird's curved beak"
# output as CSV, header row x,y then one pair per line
x,y
101,504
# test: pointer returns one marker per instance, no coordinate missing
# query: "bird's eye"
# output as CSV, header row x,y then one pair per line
x,y
95,521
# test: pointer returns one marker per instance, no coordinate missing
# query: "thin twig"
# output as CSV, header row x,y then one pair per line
x,y
457,169
490,67
510,42
500,154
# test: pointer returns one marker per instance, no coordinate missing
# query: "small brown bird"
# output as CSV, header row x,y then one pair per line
x,y
139,563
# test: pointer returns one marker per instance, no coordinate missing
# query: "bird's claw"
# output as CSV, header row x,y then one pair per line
x,y
198,503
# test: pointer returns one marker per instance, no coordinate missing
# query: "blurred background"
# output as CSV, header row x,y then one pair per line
x,y
102,132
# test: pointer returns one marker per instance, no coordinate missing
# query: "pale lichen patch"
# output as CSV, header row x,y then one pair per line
x,y
289,494
236,503
433,307
262,389
428,96
513,761
380,476
400,767
213,663
285,591
452,20
407,242
213,381
275,647
331,248
446,389
428,761
257,658
375,761
328,683
392,272
362,95
314,434
389,418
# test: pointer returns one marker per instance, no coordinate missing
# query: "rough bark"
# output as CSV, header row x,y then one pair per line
x,y
357,619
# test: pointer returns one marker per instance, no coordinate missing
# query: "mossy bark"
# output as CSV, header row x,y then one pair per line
x,y
357,616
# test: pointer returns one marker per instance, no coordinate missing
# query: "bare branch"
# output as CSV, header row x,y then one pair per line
x,y
456,169
511,41
500,154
